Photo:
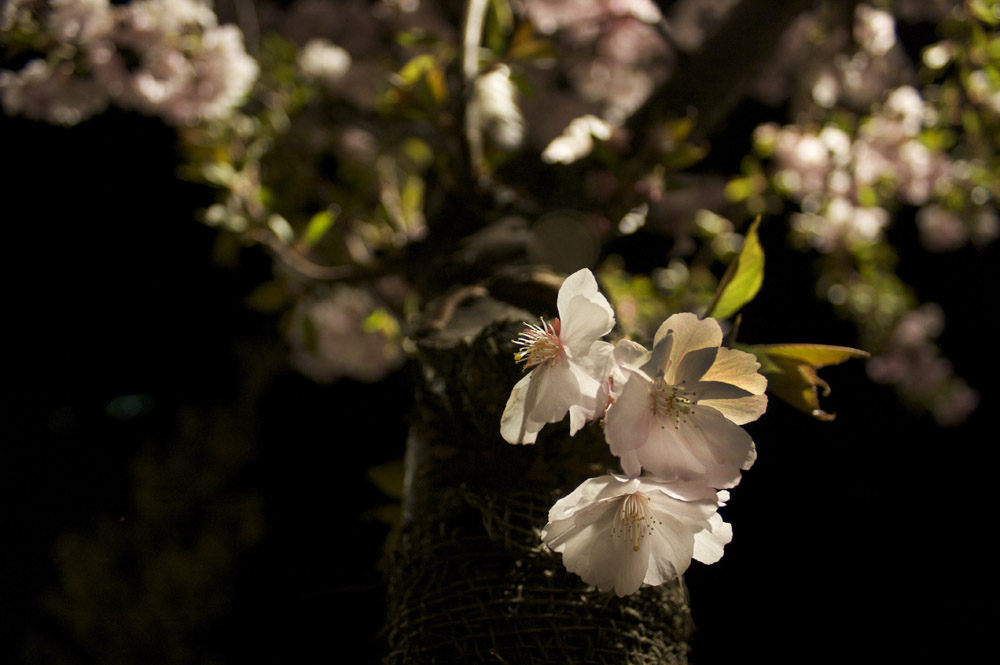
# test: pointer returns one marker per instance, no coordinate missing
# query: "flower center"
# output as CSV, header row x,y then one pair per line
x,y
634,519
670,401
539,343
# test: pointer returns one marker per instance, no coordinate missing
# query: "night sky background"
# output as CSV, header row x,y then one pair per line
x,y
865,538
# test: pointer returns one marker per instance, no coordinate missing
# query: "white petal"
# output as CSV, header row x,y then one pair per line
x,y
739,369
630,420
672,532
630,463
740,411
515,427
729,443
689,334
703,445
556,388
672,545
669,453
613,564
708,543
582,321
630,354
597,361
590,550
694,365
730,447
584,495
563,532
582,283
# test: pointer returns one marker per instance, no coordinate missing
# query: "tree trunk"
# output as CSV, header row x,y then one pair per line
x,y
470,581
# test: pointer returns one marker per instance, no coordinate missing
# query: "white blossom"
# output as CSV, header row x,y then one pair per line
x,y
679,413
79,22
324,62
339,336
569,363
577,140
189,68
874,30
619,533
494,105
52,93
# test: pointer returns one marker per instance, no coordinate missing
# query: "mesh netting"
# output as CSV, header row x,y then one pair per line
x,y
469,580
477,586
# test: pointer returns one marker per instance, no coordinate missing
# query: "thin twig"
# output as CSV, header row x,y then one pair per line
x,y
474,18
302,265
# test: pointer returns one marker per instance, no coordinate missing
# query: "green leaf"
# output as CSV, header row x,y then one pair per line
x,y
526,45
791,371
317,227
742,279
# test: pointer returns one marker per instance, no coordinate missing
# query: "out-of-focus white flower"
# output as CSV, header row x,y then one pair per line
x,y
874,30
548,16
914,364
619,533
908,106
162,18
577,140
679,414
982,90
494,104
804,161
52,93
921,172
79,22
188,68
837,142
569,364
324,62
985,226
222,75
344,335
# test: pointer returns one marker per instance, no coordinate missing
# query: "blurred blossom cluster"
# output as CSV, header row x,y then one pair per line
x,y
168,58
878,137
844,183
344,334
610,49
913,362
353,126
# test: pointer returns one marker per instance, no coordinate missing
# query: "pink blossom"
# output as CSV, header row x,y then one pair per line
x,y
679,414
619,533
569,363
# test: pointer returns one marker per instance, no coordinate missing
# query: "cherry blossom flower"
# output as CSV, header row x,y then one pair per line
x,y
679,413
324,62
569,363
619,533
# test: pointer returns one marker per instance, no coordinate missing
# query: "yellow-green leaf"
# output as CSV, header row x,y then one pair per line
x,y
317,228
791,371
742,279
524,44
269,297
388,478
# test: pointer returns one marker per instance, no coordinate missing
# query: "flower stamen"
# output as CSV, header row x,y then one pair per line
x,y
634,519
670,401
539,343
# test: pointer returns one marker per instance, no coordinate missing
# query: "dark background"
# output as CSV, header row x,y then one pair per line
x,y
863,539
